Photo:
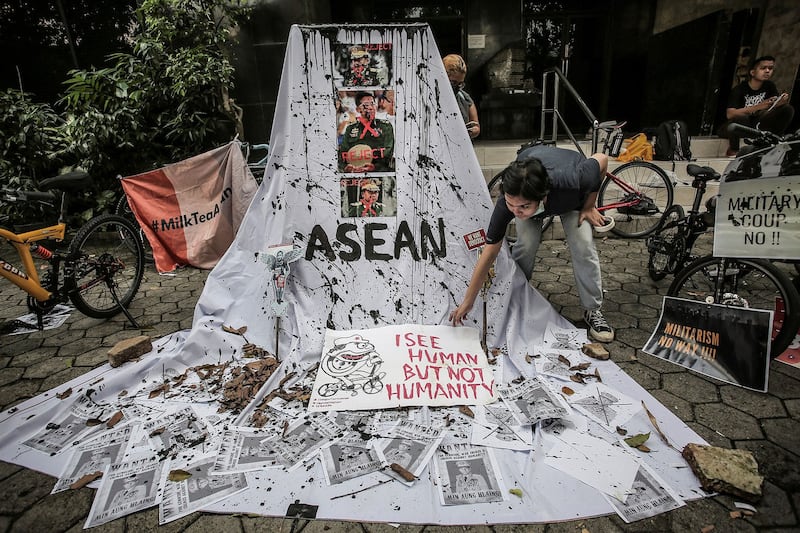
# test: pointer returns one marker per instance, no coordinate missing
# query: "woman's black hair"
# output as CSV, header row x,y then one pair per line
x,y
527,178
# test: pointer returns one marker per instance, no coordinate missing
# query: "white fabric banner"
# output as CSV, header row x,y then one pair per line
x,y
398,257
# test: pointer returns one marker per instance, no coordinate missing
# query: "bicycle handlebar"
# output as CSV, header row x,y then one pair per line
x,y
763,135
28,196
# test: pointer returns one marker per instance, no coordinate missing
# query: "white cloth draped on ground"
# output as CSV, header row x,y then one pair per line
x,y
408,266
190,210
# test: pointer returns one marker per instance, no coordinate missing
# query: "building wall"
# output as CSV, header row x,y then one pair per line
x,y
779,35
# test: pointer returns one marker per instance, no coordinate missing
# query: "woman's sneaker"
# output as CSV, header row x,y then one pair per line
x,y
599,329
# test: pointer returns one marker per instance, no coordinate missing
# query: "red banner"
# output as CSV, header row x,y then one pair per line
x,y
190,211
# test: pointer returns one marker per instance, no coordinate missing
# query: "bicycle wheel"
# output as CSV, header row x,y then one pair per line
x,y
752,283
638,196
667,247
495,192
106,255
123,209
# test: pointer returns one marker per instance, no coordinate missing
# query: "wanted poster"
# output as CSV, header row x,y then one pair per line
x,y
495,426
176,432
411,446
606,406
202,488
341,462
126,488
94,456
243,450
648,496
532,400
303,438
467,474
69,428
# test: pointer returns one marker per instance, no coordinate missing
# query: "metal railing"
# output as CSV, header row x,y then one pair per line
x,y
555,77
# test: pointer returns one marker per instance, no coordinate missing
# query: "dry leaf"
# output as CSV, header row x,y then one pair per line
x,y
643,448
528,358
582,366
65,394
236,331
655,425
707,529
402,472
597,375
158,431
735,514
114,420
85,480
564,360
637,440
122,393
566,390
467,411
516,492
178,475
577,378
158,390
622,431
91,422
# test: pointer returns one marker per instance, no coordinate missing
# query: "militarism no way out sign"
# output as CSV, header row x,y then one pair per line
x,y
406,365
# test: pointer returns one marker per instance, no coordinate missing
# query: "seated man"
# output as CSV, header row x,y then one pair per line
x,y
756,103
545,180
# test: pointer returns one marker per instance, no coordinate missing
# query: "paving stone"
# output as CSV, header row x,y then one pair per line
x,y
710,435
8,469
18,392
658,364
22,489
62,377
678,406
646,377
690,387
48,367
701,513
776,464
57,512
115,526
774,509
732,423
757,404
10,375
33,356
214,523
147,520
92,358
604,524
783,386
783,431
793,407
516,528
633,337
62,337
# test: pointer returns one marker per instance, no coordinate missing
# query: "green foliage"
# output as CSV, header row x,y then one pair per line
x,y
164,100
29,133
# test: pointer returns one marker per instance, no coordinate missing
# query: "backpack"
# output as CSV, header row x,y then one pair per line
x,y
673,141
637,147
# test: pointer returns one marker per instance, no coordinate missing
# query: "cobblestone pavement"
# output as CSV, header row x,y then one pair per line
x,y
725,415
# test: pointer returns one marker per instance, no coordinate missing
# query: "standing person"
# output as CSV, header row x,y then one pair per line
x,y
543,181
757,103
456,69
368,144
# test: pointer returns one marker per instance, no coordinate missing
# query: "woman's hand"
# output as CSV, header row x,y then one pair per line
x,y
457,316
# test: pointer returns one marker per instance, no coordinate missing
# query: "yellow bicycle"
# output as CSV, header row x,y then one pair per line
x,y
99,272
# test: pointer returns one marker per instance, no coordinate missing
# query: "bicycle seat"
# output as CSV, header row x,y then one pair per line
x,y
610,125
77,180
701,173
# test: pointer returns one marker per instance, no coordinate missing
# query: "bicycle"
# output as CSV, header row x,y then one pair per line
x,y
124,210
752,283
99,272
670,247
636,194
257,167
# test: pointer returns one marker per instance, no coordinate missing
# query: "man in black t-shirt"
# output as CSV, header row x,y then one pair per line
x,y
757,103
543,181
